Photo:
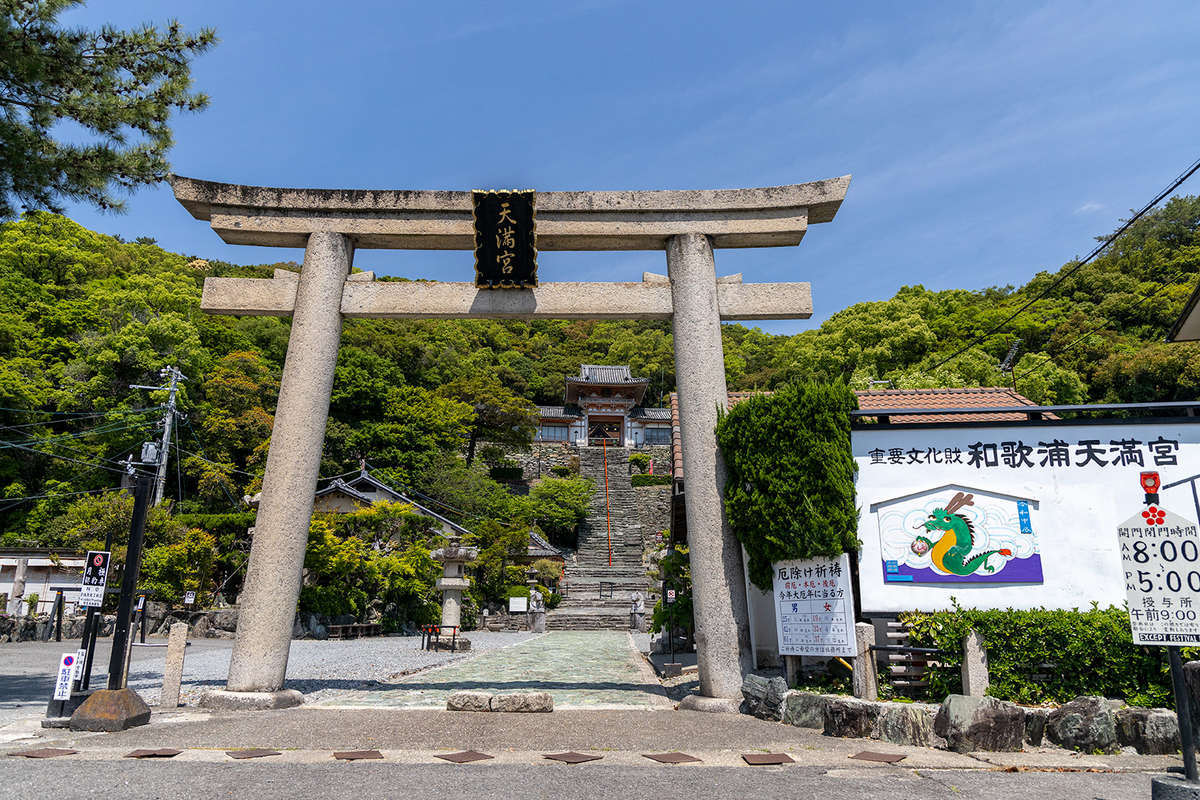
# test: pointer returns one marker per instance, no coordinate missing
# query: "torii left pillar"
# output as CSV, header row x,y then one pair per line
x,y
272,586
687,225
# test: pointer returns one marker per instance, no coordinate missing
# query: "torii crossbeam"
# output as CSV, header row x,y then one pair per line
x,y
330,224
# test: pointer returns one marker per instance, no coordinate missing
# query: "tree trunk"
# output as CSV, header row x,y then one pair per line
x,y
471,446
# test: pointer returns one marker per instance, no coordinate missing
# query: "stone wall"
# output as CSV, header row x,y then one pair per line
x,y
559,454
654,513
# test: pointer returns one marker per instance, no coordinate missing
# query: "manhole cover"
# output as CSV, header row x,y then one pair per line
x,y
573,758
671,758
763,759
465,757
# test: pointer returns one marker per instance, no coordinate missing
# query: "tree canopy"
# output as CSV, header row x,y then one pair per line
x,y
118,87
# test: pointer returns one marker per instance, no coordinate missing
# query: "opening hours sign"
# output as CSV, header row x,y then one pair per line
x,y
814,607
1160,555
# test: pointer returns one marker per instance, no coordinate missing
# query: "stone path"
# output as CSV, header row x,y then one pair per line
x,y
580,669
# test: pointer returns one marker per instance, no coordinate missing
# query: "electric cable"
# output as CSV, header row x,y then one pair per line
x,y
1063,275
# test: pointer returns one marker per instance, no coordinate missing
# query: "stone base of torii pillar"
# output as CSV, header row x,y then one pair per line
x,y
330,224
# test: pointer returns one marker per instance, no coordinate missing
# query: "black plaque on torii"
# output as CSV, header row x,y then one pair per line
x,y
505,239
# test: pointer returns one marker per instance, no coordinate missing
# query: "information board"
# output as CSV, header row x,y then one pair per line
x,y
95,577
1160,554
814,607
518,605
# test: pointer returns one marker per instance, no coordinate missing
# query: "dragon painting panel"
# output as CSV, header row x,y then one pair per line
x,y
959,534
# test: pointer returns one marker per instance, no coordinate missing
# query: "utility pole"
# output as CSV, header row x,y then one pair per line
x,y
173,376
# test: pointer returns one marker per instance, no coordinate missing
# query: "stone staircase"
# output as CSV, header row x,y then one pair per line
x,y
590,573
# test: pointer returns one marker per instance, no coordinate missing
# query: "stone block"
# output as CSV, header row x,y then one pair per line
x,y
173,669
711,705
1173,788
1152,731
523,703
1035,725
805,709
764,696
905,723
224,700
975,679
866,671
111,710
851,718
980,723
1085,724
469,701
226,620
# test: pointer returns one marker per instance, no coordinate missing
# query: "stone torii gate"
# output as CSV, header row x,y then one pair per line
x,y
331,224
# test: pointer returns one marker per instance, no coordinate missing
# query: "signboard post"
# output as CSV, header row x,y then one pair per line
x,y
814,603
1160,554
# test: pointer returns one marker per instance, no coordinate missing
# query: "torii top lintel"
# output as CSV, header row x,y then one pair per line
x,y
433,220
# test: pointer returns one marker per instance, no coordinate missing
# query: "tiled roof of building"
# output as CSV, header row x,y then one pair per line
x,y
652,414
983,397
559,412
599,373
540,548
347,488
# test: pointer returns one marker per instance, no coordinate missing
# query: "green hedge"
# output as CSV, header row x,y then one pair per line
x,y
790,490
1043,655
561,472
650,480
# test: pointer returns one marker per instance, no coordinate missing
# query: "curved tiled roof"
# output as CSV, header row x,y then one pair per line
x,y
559,412
652,414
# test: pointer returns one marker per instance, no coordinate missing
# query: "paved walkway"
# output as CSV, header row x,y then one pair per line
x,y
580,669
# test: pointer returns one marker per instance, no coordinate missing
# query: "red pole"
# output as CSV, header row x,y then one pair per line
x,y
607,509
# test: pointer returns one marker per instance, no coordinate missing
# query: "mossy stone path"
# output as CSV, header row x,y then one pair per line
x,y
580,669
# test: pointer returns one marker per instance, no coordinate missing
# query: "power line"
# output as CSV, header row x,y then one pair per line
x,y
1071,271
75,419
216,463
66,458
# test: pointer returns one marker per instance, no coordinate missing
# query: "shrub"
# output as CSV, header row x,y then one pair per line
x,y
171,570
1046,655
641,461
650,480
561,472
547,570
790,491
553,599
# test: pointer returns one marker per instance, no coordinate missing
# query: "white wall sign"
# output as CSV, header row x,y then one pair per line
x,y
1160,551
518,604
814,607
1032,526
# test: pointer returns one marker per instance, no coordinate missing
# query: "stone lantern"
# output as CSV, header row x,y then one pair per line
x,y
454,581
537,604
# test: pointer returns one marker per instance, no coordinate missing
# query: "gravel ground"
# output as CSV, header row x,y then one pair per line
x,y
319,669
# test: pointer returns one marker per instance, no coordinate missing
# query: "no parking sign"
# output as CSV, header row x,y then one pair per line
x,y
66,673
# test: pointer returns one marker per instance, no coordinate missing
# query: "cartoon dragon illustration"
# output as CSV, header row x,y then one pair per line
x,y
950,552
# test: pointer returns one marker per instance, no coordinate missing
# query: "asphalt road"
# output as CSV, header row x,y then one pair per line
x,y
179,780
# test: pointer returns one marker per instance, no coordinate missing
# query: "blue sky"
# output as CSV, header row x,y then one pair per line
x,y
987,141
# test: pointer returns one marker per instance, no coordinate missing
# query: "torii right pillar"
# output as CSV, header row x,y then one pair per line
x,y
718,590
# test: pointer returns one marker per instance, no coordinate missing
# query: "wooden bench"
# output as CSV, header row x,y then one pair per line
x,y
355,631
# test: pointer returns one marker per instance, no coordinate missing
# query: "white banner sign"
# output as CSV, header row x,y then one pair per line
x,y
814,607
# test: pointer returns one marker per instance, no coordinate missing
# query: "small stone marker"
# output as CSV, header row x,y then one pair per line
x,y
866,671
672,758
251,753
357,755
975,679
572,757
883,758
165,752
766,759
173,672
465,757
45,752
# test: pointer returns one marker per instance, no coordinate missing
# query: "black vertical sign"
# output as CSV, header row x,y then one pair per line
x,y
505,239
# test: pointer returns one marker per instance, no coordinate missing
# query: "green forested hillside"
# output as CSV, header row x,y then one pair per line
x,y
83,316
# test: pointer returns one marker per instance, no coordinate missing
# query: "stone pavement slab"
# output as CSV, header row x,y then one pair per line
x,y
579,669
